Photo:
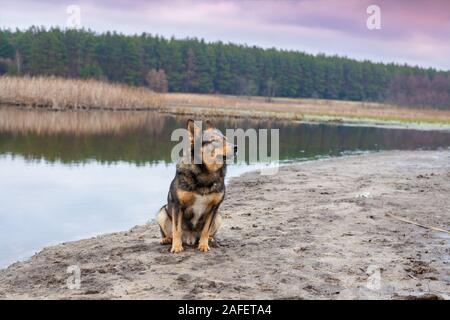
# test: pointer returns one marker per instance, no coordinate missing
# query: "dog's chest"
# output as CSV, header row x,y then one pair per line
x,y
202,204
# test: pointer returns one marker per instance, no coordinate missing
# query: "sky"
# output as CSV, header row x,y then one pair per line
x,y
416,32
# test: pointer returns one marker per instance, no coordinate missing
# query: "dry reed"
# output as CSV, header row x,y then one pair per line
x,y
60,94
66,94
17,120
297,108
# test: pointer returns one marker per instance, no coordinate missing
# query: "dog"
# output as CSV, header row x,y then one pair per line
x,y
191,213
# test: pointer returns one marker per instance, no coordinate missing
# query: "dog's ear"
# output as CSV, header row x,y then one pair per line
x,y
193,129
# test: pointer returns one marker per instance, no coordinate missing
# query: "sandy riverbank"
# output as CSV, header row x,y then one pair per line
x,y
315,230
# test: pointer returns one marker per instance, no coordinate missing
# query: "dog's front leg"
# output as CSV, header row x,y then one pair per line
x,y
203,244
177,236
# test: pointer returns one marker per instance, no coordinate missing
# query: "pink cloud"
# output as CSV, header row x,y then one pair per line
x,y
413,31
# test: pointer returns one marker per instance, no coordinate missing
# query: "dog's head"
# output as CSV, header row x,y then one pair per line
x,y
215,148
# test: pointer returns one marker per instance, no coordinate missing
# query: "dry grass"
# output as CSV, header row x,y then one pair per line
x,y
290,108
60,94
67,94
93,122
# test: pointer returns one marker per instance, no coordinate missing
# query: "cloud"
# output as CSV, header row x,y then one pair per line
x,y
413,31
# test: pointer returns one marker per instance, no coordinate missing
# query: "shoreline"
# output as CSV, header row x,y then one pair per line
x,y
308,110
316,120
316,230
258,115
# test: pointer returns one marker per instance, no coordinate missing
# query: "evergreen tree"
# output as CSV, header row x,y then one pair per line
x,y
192,65
6,48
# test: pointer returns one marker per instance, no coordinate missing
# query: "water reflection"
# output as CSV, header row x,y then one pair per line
x,y
144,137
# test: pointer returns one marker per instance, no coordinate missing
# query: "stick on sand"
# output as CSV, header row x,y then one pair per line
x,y
417,224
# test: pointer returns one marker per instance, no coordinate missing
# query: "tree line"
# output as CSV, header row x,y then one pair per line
x,y
193,65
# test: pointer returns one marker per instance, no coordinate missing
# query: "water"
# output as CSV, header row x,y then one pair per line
x,y
86,178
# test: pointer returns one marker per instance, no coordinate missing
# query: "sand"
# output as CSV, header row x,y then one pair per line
x,y
316,230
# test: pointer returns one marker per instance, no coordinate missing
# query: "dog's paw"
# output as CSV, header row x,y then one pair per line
x,y
166,240
203,246
176,248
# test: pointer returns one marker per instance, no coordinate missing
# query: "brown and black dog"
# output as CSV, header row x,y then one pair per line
x,y
191,213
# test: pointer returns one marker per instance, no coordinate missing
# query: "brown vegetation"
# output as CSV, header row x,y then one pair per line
x,y
157,80
59,94
62,94
92,122
420,91
290,108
